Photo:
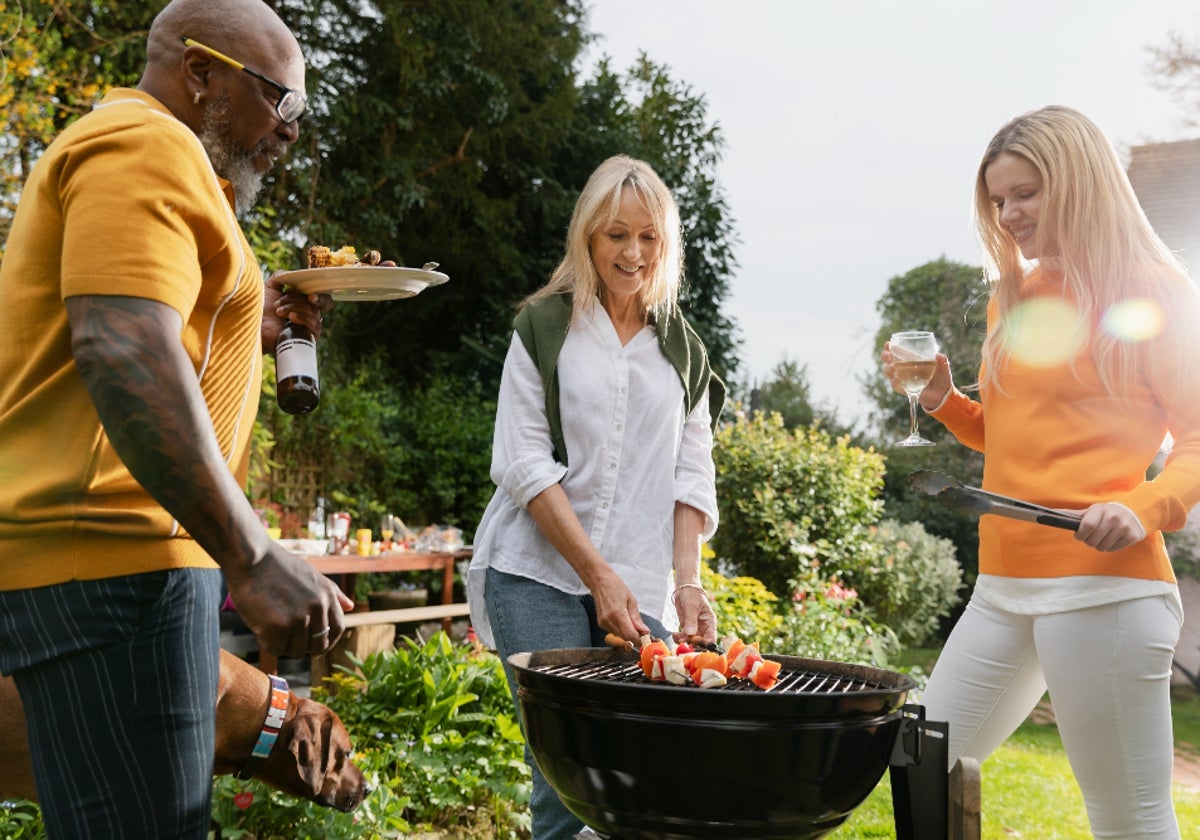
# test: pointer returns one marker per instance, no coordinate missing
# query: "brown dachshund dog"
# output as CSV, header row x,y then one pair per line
x,y
310,759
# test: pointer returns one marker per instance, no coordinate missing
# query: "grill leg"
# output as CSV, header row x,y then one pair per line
x,y
920,781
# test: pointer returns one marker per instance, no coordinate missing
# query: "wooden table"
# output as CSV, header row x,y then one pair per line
x,y
346,568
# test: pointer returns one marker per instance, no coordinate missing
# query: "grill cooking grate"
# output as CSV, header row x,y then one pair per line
x,y
790,681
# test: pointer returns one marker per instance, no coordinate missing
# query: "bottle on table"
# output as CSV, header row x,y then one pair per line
x,y
316,521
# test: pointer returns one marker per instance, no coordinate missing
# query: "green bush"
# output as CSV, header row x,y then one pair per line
x,y
434,730
791,501
21,820
832,623
1184,549
423,453
826,623
908,579
743,607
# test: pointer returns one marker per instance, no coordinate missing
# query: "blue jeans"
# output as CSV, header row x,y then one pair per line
x,y
118,678
527,616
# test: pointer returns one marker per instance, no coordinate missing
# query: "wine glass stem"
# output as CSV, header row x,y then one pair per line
x,y
912,415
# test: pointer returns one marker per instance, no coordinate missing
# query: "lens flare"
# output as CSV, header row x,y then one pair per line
x,y
1133,320
1045,332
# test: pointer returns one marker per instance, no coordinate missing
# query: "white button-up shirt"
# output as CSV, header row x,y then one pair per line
x,y
633,454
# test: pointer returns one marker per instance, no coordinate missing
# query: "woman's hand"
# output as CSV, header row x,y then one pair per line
x,y
935,392
696,616
616,608
1109,526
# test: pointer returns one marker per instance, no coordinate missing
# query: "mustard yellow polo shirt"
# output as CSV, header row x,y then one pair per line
x,y
124,202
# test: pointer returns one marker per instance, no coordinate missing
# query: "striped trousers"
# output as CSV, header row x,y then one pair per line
x,y
118,678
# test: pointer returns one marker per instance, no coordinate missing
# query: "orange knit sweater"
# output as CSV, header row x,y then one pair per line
x,y
1051,434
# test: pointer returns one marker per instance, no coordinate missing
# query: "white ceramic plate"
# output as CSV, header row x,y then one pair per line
x,y
363,282
305,547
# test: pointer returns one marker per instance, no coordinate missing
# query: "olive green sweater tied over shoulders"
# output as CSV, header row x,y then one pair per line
x,y
543,324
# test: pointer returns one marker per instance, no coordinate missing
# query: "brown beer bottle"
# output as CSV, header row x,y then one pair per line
x,y
297,386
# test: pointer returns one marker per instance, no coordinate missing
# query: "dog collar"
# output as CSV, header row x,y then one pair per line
x,y
276,712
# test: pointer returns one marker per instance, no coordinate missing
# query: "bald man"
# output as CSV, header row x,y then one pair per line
x,y
134,324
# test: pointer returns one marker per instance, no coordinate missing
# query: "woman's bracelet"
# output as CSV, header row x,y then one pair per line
x,y
689,586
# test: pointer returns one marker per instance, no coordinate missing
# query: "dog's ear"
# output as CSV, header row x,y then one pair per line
x,y
309,746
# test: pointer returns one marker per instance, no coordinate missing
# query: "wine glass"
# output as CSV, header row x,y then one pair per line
x,y
915,355
387,528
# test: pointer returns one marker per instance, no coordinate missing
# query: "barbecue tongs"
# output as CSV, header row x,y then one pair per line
x,y
963,499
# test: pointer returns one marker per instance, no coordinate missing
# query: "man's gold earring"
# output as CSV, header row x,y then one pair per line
x,y
196,99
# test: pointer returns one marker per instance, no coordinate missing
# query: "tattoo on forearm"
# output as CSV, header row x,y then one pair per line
x,y
145,391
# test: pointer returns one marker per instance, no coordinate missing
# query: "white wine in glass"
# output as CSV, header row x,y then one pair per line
x,y
915,360
387,527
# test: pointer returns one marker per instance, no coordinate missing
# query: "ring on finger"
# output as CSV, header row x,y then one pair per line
x,y
321,634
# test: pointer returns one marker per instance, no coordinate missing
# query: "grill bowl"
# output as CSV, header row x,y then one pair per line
x,y
640,760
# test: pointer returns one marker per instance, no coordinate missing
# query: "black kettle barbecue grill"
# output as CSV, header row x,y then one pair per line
x,y
639,760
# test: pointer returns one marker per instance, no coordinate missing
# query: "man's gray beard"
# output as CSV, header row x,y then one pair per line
x,y
233,164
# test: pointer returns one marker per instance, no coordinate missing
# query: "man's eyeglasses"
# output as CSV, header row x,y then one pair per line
x,y
291,103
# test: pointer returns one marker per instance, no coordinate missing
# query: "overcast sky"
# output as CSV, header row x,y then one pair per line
x,y
853,131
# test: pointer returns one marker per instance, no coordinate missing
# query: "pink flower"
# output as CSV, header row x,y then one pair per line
x,y
837,592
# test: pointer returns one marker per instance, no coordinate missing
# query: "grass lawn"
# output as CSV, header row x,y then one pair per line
x,y
1029,791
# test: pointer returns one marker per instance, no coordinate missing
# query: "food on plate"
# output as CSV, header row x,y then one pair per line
x,y
319,256
708,667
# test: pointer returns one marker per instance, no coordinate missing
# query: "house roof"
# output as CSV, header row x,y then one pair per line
x,y
1166,178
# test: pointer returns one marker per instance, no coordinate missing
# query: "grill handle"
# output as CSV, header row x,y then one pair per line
x,y
907,749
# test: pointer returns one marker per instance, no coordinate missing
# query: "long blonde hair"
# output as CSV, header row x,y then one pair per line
x,y
1107,247
598,204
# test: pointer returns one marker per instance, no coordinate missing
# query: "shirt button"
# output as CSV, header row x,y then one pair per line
x,y
604,505
619,427
612,466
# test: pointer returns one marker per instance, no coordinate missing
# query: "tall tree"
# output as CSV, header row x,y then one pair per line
x,y
675,135
1177,66
458,132
56,60
950,299
434,138
788,393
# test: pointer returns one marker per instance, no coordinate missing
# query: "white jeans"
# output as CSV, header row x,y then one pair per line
x,y
1108,670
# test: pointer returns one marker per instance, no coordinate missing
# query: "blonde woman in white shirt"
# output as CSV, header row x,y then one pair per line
x,y
602,454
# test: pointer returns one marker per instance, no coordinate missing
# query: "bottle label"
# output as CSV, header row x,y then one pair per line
x,y
295,357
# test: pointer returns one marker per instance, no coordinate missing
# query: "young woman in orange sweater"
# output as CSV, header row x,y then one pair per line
x,y
1090,363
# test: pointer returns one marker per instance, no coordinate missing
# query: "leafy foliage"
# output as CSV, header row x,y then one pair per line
x,y
831,623
21,820
423,452
942,296
674,136
56,59
435,731
948,298
742,605
909,581
787,393
791,501
822,623
481,135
